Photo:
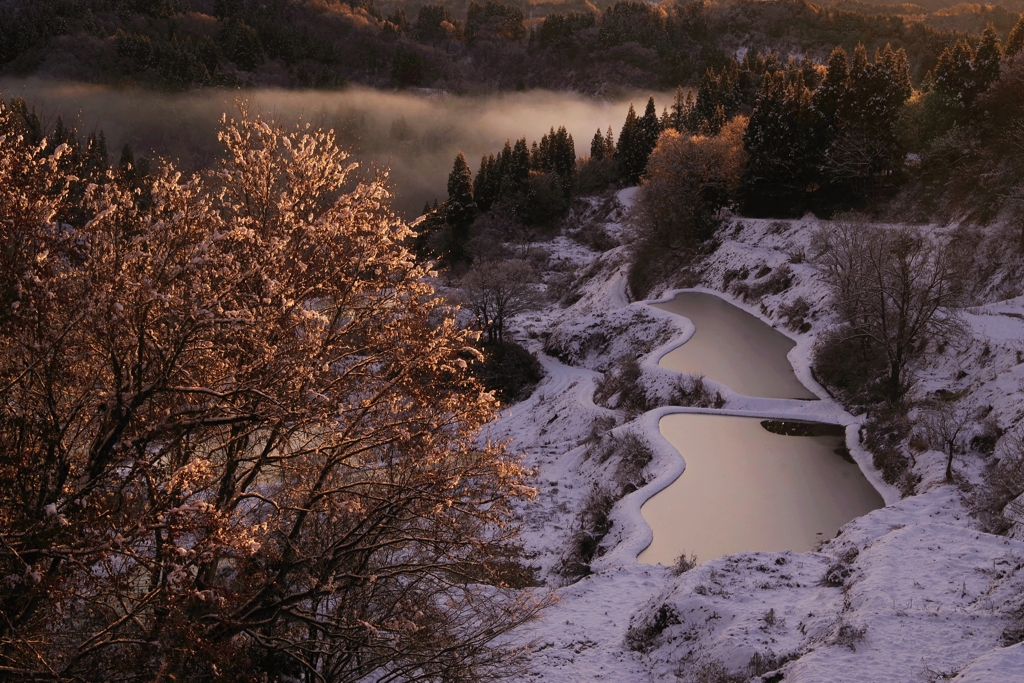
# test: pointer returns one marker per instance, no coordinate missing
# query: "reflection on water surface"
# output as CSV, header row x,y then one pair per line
x,y
733,347
746,488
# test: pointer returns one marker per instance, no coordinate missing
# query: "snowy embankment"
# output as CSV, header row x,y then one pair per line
x,y
914,591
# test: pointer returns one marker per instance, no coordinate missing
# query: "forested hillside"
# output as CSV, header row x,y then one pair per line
x,y
460,47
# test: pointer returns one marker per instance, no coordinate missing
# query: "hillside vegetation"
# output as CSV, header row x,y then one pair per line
x,y
180,44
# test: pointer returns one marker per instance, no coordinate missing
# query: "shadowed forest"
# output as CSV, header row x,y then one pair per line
x,y
460,47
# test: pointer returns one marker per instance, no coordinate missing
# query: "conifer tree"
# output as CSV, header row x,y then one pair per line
x,y
460,209
682,107
784,141
954,74
826,97
519,165
483,184
1015,41
624,149
707,100
597,146
636,141
609,143
986,60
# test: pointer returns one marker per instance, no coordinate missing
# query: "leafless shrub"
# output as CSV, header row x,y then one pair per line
x,y
931,675
640,637
734,274
762,663
710,672
684,563
842,569
795,314
848,635
1004,484
944,423
599,426
592,524
884,433
497,291
622,388
777,282
693,391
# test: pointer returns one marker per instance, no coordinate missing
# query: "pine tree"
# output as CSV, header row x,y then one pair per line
x,y
865,146
827,96
484,186
707,100
954,74
986,60
597,146
460,209
1015,41
784,142
519,166
643,137
609,143
624,148
680,110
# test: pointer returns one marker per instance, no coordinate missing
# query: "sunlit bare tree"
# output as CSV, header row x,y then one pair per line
x,y
236,437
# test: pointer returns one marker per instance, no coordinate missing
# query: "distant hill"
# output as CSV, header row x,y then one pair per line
x,y
459,46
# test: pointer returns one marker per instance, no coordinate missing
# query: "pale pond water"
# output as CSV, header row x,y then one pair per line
x,y
745,488
733,347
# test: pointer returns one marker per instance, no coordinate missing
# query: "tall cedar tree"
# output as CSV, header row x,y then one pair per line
x,y
460,209
1015,41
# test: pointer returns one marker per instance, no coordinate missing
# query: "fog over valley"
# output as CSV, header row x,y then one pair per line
x,y
415,133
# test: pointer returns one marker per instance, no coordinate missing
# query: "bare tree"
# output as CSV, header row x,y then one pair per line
x,y
236,436
945,424
895,289
497,291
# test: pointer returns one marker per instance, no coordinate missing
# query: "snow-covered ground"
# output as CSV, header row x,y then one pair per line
x,y
916,591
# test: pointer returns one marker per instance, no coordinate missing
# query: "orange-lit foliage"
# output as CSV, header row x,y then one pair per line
x,y
236,437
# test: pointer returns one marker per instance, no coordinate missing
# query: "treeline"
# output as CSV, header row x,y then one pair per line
x,y
180,44
765,138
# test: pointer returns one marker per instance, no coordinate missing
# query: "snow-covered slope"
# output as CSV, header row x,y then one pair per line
x,y
914,591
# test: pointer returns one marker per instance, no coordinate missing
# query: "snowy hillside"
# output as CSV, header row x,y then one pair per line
x,y
915,591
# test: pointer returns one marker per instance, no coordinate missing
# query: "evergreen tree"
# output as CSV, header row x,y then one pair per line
x,y
26,123
624,149
707,101
460,209
484,186
597,146
784,141
682,107
636,141
609,143
865,148
826,97
519,166
986,60
954,75
665,122
1015,41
